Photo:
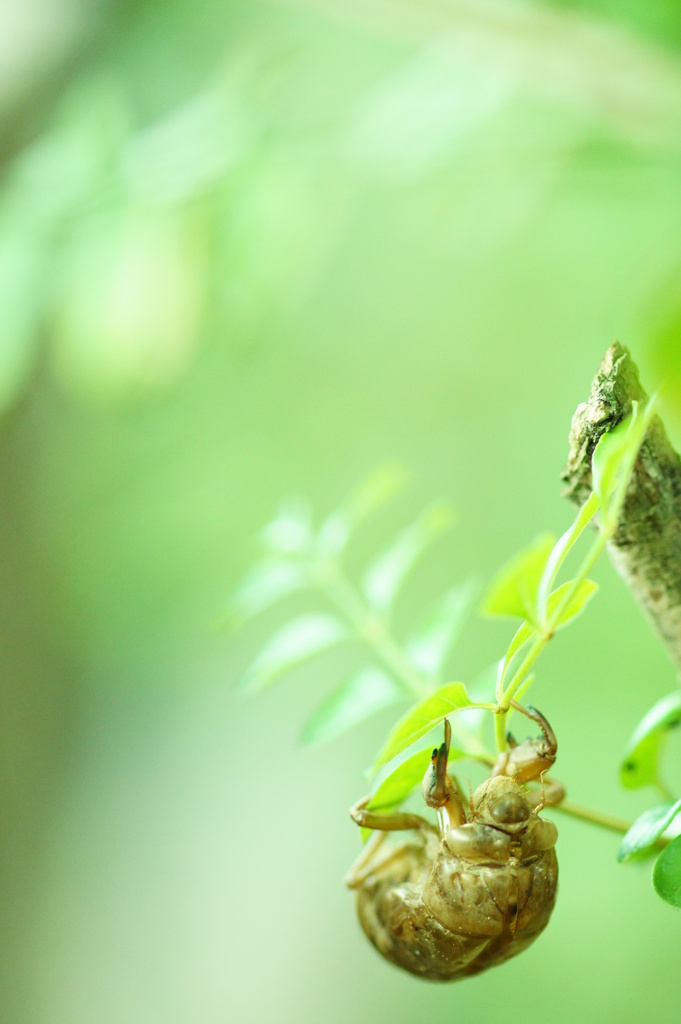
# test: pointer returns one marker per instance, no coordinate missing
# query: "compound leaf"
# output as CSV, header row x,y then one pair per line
x,y
428,647
296,642
387,572
266,584
290,532
371,495
364,693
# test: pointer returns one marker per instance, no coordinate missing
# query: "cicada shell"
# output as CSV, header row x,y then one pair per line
x,y
450,903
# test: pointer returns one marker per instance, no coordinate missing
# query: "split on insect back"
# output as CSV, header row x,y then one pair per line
x,y
449,901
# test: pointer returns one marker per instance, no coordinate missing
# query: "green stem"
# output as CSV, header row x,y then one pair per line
x,y
375,632
562,550
500,731
371,627
553,620
523,671
607,529
600,818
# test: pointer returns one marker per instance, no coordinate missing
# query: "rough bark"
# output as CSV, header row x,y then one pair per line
x,y
646,547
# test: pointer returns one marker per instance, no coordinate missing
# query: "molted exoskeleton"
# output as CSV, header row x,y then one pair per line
x,y
448,904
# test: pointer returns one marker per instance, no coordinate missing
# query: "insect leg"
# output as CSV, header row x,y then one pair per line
x,y
551,793
399,821
550,748
440,791
376,856
365,862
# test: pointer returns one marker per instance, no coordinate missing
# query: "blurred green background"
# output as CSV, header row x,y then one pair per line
x,y
249,250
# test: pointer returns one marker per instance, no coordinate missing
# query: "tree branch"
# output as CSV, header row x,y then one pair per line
x,y
646,547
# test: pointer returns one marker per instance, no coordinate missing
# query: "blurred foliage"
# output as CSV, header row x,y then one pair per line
x,y
299,557
199,170
250,249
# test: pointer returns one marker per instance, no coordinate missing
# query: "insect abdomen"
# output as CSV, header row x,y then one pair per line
x,y
402,928
465,918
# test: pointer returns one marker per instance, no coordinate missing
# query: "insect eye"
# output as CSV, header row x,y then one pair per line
x,y
510,809
430,787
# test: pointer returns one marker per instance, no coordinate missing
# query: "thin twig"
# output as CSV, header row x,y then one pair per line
x,y
600,818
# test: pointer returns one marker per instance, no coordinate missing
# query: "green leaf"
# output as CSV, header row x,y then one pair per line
x,y
428,647
667,873
608,459
614,457
647,829
514,590
364,693
295,643
421,718
468,726
575,606
266,584
640,763
394,787
290,532
371,495
562,548
522,690
387,572
524,633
